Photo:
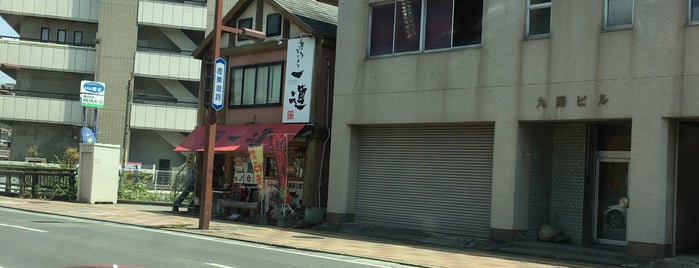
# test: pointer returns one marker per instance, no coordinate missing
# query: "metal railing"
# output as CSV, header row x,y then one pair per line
x,y
161,185
30,181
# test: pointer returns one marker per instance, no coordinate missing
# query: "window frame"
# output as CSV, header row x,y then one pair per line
x,y
239,22
605,17
257,67
48,34
690,21
529,8
58,36
75,34
423,27
267,33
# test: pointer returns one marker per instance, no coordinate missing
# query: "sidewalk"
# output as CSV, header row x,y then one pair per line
x,y
306,239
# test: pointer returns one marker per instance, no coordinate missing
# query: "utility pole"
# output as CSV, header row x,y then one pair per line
x,y
205,199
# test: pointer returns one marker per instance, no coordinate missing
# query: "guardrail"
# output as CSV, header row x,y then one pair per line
x,y
34,182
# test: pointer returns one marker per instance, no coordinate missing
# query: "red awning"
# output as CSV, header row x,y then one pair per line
x,y
237,137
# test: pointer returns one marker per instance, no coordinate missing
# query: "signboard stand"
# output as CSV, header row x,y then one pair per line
x,y
92,96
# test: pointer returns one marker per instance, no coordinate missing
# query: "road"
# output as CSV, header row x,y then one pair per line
x,y
39,240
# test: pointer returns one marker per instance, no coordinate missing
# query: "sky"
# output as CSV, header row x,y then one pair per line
x,y
6,30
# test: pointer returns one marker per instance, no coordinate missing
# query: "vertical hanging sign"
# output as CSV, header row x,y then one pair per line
x,y
219,84
299,79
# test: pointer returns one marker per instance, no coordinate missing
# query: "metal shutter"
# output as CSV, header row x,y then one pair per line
x,y
427,178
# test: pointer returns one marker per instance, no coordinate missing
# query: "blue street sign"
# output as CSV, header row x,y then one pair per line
x,y
219,84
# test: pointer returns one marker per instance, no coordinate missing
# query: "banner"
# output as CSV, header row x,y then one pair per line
x,y
299,80
257,158
279,150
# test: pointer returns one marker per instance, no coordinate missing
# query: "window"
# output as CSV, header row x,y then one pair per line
x,y
693,10
61,37
45,34
244,23
274,24
618,14
402,26
256,85
538,17
78,38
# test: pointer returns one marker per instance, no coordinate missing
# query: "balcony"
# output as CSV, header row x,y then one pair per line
x,y
163,117
44,110
167,65
59,111
47,56
78,10
172,15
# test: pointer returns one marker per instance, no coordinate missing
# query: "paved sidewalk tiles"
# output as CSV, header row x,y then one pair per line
x,y
306,239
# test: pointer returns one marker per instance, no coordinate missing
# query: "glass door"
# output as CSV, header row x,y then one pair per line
x,y
611,197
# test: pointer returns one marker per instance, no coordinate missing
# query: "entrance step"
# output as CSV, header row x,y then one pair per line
x,y
614,256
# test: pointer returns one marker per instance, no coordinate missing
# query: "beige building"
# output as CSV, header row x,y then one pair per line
x,y
513,114
62,42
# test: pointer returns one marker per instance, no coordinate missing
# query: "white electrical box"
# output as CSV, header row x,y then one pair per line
x,y
98,176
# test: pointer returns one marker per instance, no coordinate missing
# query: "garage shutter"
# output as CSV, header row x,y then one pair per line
x,y
427,178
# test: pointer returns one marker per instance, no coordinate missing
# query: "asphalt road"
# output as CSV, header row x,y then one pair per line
x,y
38,240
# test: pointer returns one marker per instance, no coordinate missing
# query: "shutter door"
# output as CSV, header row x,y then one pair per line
x,y
427,178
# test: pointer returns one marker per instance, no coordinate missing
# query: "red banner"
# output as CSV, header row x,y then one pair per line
x,y
257,159
279,149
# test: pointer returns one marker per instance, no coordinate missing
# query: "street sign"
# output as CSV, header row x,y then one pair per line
x,y
219,84
92,87
94,101
92,94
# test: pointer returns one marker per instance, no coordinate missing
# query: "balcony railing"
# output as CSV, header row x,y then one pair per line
x,y
163,117
172,15
48,56
45,110
60,111
78,10
167,65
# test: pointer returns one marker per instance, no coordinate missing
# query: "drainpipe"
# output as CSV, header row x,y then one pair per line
x,y
127,123
327,127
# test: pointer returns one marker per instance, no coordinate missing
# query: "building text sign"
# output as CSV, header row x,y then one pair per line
x,y
299,79
92,94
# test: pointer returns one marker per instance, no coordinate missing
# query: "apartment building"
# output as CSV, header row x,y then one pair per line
x,y
144,45
491,118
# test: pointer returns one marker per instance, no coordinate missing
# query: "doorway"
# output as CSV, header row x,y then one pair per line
x,y
611,197
687,189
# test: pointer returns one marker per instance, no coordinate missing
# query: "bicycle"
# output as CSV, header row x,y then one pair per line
x,y
61,190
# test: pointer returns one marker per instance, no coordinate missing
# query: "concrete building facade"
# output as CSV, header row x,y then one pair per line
x,y
573,113
144,45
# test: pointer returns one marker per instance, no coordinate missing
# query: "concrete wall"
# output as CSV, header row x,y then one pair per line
x,y
115,63
155,40
48,84
30,27
49,143
148,147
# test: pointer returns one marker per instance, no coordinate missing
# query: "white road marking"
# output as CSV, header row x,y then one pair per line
x,y
212,264
322,255
24,228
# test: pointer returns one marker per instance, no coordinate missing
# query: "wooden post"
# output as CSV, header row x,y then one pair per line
x,y
205,199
